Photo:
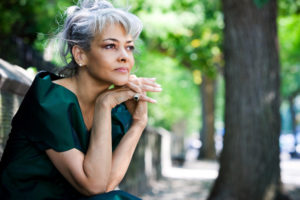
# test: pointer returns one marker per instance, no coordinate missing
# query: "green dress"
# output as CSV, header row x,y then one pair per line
x,y
50,117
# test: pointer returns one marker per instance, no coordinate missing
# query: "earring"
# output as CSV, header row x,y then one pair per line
x,y
80,64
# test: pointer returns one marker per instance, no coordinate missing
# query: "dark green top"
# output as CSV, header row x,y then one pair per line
x,y
49,117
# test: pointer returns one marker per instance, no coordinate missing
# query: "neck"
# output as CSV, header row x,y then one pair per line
x,y
88,88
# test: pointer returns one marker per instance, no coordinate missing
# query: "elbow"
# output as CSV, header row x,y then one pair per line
x,y
95,186
99,189
109,188
95,189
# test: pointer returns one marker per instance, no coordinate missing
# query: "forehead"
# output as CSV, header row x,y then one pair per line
x,y
115,31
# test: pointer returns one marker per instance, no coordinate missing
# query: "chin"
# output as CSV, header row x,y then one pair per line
x,y
120,82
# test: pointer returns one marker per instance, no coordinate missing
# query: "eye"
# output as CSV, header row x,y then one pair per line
x,y
110,46
130,48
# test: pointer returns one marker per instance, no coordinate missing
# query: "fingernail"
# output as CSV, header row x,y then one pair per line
x,y
153,101
158,89
156,84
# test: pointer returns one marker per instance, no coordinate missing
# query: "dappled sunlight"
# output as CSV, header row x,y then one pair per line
x,y
194,179
185,173
212,78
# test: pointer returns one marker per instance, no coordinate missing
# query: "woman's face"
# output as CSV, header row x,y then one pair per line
x,y
110,58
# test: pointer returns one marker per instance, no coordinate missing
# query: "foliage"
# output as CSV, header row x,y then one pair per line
x,y
34,20
289,40
177,101
289,7
26,19
177,35
289,37
189,30
25,26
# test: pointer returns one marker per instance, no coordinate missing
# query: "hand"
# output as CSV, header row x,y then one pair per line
x,y
140,85
138,110
125,94
112,97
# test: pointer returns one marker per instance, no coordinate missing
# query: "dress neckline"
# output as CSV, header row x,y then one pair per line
x,y
53,77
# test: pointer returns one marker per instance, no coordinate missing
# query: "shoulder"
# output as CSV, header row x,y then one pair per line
x,y
50,115
46,99
65,82
50,87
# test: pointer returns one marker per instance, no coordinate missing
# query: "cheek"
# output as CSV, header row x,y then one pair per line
x,y
132,61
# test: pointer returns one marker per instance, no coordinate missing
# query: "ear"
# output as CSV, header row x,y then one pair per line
x,y
79,55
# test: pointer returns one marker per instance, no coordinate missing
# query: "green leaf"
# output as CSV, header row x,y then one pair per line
x,y
260,3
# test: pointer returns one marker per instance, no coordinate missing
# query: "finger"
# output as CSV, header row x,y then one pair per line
x,y
148,88
147,85
147,78
134,87
143,80
132,77
146,98
150,81
123,94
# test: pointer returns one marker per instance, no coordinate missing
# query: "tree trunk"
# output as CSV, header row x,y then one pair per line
x,y
249,163
207,134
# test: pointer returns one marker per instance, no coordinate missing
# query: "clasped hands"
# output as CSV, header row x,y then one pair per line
x,y
125,94
141,86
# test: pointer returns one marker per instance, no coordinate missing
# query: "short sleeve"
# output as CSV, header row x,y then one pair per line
x,y
51,117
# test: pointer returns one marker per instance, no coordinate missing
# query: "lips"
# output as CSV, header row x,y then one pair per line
x,y
122,70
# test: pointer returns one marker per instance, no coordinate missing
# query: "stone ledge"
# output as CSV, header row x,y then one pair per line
x,y
14,79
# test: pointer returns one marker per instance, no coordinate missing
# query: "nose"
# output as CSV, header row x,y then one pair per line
x,y
123,55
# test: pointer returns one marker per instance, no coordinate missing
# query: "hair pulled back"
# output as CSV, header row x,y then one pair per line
x,y
85,20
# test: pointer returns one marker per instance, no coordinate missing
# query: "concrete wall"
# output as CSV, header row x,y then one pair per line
x,y
14,83
146,163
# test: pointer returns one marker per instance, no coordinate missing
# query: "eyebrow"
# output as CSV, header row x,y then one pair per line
x,y
115,40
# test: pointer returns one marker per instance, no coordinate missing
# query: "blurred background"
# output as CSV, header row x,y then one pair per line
x,y
182,45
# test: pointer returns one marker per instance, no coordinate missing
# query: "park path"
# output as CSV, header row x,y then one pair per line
x,y
178,189
194,180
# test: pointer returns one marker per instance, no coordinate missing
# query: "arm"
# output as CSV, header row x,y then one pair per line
x,y
94,172
124,151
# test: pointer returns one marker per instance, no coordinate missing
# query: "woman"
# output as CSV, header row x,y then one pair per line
x,y
74,137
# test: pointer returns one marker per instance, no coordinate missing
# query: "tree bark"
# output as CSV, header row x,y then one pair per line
x,y
249,162
207,134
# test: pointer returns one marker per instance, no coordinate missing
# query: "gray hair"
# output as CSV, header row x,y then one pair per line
x,y
86,20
